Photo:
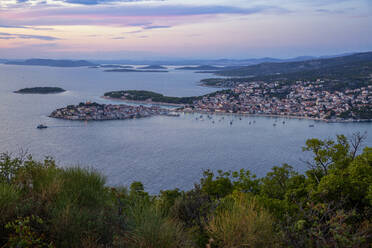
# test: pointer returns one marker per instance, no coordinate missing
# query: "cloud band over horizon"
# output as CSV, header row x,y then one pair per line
x,y
213,28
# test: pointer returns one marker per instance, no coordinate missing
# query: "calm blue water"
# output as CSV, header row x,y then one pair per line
x,y
162,152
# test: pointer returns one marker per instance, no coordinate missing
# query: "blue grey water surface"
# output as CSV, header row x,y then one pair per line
x,y
162,152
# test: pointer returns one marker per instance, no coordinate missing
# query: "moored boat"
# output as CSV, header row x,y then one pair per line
x,y
41,126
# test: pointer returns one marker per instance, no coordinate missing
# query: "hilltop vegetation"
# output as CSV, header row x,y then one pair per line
x,y
143,95
42,205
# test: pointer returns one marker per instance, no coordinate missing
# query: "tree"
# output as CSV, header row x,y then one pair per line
x,y
276,182
217,187
327,153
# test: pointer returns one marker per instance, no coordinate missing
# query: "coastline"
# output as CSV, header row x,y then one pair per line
x,y
213,86
240,114
277,116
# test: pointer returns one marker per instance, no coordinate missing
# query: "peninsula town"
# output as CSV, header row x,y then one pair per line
x,y
309,100
302,99
94,111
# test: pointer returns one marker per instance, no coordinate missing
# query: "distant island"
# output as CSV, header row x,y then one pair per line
x,y
149,97
201,68
115,66
52,62
153,67
40,90
133,70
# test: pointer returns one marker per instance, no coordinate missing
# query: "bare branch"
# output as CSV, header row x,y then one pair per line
x,y
356,141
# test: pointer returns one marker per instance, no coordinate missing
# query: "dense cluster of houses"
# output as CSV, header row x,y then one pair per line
x,y
301,99
94,111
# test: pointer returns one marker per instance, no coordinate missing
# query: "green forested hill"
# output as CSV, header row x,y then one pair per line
x,y
338,75
292,67
143,95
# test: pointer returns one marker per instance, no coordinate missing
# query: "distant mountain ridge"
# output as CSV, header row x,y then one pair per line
x,y
201,62
341,73
200,68
234,63
271,68
214,62
52,62
153,67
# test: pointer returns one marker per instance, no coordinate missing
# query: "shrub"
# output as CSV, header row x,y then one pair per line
x,y
82,207
9,196
148,228
192,210
9,167
242,223
326,225
25,233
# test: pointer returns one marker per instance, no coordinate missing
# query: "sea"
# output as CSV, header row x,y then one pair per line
x,y
161,152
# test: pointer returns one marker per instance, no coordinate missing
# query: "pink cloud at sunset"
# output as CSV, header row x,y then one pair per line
x,y
172,28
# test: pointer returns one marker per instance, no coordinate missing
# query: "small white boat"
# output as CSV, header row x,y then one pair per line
x,y
173,114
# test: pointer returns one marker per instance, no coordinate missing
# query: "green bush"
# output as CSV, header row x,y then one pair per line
x,y
148,228
192,209
9,197
242,223
82,207
25,233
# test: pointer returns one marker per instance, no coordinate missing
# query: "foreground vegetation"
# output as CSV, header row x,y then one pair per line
x,y
42,205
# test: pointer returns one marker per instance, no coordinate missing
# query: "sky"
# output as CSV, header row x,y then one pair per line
x,y
188,29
